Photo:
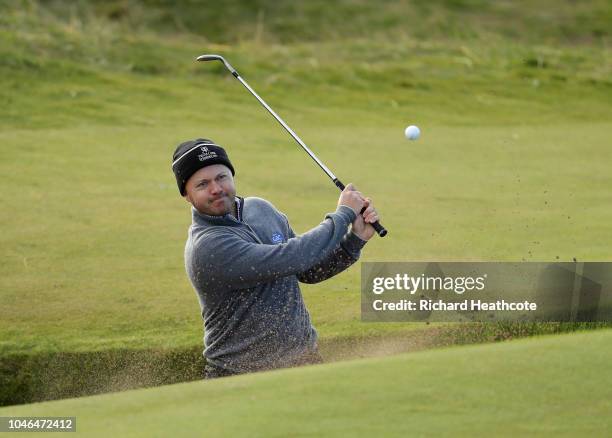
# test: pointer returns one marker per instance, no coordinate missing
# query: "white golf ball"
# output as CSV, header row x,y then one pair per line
x,y
412,132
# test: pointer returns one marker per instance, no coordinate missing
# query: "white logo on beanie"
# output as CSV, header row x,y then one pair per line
x,y
206,154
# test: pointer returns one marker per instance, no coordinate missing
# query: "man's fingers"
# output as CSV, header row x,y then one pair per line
x,y
371,218
370,215
368,207
367,211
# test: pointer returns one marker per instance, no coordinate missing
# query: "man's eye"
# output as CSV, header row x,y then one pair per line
x,y
202,184
220,177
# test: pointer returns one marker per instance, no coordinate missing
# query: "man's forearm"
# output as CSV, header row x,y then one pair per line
x,y
341,258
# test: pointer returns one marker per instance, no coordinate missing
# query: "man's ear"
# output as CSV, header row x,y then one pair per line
x,y
187,198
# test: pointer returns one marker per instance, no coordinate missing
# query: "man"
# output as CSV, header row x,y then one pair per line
x,y
244,262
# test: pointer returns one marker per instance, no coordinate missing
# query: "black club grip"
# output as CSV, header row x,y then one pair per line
x,y
382,231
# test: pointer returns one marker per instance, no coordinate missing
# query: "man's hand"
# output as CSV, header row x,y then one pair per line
x,y
361,226
352,198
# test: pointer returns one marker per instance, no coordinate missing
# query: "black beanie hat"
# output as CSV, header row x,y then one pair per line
x,y
191,156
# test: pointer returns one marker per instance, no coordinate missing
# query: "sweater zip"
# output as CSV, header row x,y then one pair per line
x,y
239,210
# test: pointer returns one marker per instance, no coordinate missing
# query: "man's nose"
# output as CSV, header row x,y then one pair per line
x,y
214,187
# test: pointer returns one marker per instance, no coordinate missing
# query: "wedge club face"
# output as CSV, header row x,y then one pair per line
x,y
204,58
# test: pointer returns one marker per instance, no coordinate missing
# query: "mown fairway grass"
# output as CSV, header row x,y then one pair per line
x,y
513,163
94,256
551,386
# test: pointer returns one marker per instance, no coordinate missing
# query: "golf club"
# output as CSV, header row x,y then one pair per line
x,y
382,232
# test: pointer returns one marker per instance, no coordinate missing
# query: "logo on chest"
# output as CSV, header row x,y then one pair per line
x,y
277,238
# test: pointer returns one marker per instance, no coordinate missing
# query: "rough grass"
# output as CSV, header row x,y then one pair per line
x,y
266,21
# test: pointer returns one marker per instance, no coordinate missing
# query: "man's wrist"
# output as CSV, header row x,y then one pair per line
x,y
353,243
359,236
348,211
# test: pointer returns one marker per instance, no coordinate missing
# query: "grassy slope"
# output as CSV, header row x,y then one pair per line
x,y
92,227
557,386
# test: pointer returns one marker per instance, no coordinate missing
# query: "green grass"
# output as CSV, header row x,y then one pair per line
x,y
512,164
97,229
557,385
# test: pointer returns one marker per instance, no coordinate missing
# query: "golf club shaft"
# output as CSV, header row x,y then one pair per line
x,y
289,130
377,226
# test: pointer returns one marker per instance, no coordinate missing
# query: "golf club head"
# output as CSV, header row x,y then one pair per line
x,y
213,57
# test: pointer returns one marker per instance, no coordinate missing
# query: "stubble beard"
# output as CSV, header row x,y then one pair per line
x,y
213,208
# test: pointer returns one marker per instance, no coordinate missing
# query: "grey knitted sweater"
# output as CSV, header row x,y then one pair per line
x,y
245,272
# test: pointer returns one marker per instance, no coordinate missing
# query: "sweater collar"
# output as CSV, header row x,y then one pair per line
x,y
227,219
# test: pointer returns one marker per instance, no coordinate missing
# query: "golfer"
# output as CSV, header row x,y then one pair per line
x,y
244,262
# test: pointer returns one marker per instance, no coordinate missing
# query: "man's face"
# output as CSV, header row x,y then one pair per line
x,y
211,190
